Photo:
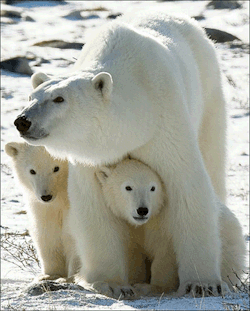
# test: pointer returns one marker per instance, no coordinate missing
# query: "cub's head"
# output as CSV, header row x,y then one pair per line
x,y
132,190
41,175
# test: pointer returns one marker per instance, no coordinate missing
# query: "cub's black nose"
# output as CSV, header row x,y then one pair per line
x,y
46,198
22,124
142,211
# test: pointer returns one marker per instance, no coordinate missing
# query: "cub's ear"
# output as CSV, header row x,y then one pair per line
x,y
103,82
103,173
38,78
13,149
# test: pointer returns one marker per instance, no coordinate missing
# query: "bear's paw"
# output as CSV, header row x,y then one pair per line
x,y
114,290
198,289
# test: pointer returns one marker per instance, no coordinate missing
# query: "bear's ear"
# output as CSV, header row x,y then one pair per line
x,y
103,173
12,149
38,78
103,82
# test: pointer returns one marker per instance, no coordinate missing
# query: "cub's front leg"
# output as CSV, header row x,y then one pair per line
x,y
51,256
100,237
164,271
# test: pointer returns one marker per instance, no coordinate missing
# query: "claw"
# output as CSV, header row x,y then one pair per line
x,y
198,290
131,292
123,292
188,288
210,288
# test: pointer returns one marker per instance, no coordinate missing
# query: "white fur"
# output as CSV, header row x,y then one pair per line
x,y
156,244
166,108
129,187
49,227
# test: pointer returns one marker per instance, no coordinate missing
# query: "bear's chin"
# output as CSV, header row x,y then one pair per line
x,y
138,221
32,140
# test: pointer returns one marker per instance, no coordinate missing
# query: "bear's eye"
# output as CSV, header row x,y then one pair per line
x,y
153,188
128,188
56,169
32,172
58,99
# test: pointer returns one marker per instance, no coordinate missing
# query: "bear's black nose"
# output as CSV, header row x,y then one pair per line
x,y
22,124
46,198
142,211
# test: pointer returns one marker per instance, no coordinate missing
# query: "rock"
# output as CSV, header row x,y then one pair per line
x,y
199,17
89,16
20,213
220,5
8,1
10,12
17,64
79,15
39,61
220,36
114,16
42,287
60,44
74,15
27,18
96,9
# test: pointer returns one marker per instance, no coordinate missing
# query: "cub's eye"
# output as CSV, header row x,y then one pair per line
x,y
56,169
128,188
32,172
58,99
152,189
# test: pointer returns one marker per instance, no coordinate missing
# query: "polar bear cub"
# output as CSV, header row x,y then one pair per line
x,y
44,182
135,193
137,189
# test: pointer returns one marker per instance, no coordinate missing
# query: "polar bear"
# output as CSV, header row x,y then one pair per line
x,y
129,183
44,182
148,86
139,194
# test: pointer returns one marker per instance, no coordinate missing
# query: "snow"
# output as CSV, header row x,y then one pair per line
x,y
18,40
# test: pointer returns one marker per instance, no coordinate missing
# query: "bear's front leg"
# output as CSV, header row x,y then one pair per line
x,y
193,214
194,224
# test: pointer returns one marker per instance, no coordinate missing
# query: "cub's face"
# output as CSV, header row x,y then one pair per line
x,y
38,172
132,191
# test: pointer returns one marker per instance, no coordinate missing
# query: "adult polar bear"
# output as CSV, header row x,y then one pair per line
x,y
150,87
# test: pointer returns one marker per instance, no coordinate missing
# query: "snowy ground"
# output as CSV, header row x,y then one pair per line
x,y
18,36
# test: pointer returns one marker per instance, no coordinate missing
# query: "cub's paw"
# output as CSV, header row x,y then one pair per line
x,y
114,291
46,277
198,289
